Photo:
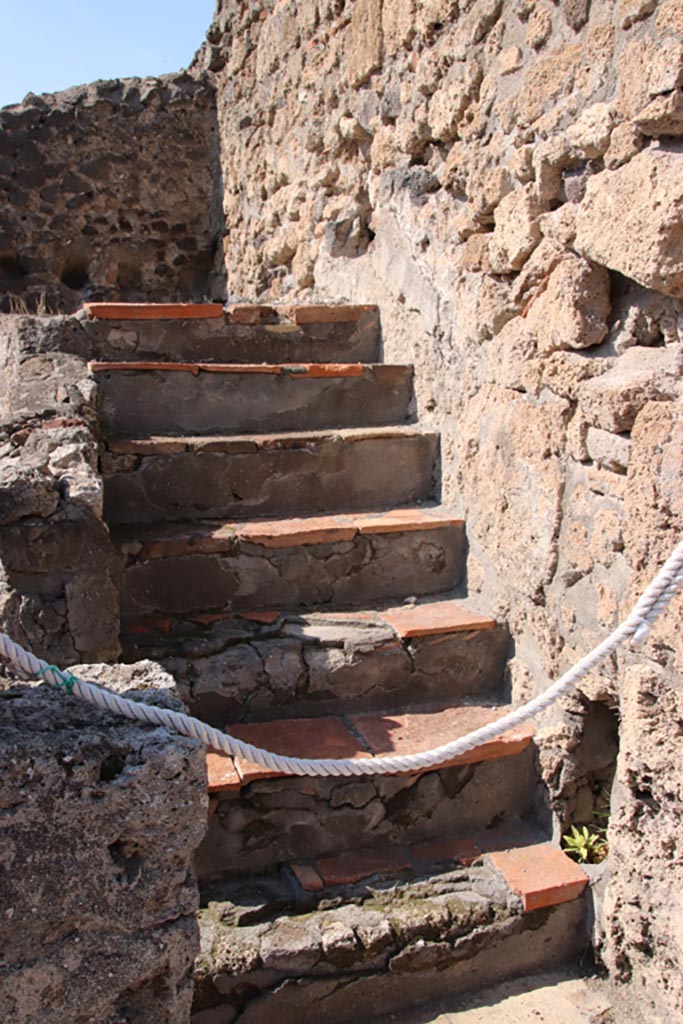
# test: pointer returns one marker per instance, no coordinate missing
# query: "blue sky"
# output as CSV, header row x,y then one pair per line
x,y
49,45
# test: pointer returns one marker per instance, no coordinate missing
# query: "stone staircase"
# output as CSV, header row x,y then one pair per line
x,y
281,549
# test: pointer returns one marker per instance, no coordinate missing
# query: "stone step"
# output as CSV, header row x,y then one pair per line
x,y
352,559
153,310
236,334
176,478
271,664
375,934
207,398
276,818
537,872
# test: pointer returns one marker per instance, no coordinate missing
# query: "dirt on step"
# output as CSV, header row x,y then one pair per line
x,y
554,998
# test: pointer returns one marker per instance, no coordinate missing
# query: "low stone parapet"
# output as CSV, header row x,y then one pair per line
x,y
99,820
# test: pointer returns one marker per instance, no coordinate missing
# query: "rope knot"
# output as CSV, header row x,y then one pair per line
x,y
65,680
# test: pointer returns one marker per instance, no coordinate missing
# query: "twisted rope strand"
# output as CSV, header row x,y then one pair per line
x,y
637,625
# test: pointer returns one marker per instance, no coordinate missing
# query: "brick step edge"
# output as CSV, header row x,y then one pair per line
x,y
408,621
297,371
540,874
365,735
209,536
234,313
174,444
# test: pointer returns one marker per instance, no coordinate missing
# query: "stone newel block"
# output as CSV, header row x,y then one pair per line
x,y
99,819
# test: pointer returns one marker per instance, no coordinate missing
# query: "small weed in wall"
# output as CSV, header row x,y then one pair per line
x,y
20,307
586,845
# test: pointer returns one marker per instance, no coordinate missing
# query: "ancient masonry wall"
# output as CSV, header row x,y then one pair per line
x,y
110,190
505,178
57,595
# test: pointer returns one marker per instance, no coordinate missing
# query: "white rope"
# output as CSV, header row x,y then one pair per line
x,y
637,625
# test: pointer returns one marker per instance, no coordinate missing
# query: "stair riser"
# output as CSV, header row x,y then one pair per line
x,y
327,475
354,341
274,820
250,576
135,402
344,988
287,677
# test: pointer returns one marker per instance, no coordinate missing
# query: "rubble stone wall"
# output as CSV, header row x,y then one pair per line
x,y
57,595
504,177
110,191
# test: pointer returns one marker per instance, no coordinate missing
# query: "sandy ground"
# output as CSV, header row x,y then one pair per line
x,y
556,998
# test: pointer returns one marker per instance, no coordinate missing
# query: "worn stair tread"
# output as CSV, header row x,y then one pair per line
x,y
320,313
301,371
422,729
371,735
210,536
270,945
180,478
236,313
435,617
335,560
324,313
168,444
440,616
153,310
558,880
541,875
236,334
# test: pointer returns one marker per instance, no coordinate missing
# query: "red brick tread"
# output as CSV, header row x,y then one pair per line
x,y
154,310
421,730
160,541
221,772
247,314
239,443
298,370
300,737
323,314
542,875
435,617
371,735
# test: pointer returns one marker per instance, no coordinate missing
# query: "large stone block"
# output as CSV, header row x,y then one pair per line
x,y
398,25
363,41
517,231
546,80
571,311
631,220
613,400
509,464
101,817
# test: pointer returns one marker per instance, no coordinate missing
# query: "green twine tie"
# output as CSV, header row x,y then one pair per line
x,y
65,679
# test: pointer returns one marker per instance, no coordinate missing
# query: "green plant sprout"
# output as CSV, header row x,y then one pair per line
x,y
588,846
